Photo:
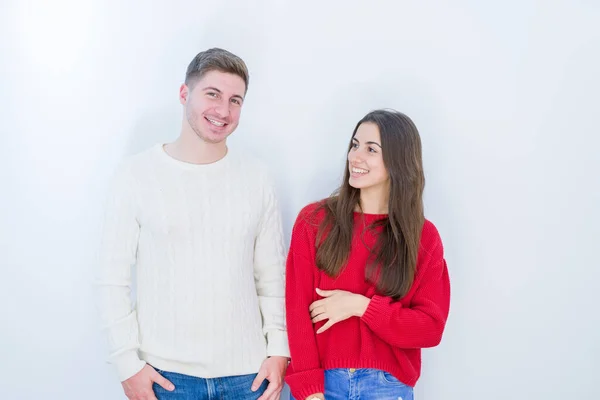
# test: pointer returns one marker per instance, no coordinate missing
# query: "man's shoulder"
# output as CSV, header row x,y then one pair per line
x,y
247,159
250,165
138,162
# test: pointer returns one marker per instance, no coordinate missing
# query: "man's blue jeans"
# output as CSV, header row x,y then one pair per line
x,y
192,388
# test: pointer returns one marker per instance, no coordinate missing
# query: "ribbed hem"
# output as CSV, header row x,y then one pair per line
x,y
376,309
127,364
409,379
277,344
310,390
303,384
201,370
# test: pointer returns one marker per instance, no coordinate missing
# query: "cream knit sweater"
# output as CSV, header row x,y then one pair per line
x,y
206,245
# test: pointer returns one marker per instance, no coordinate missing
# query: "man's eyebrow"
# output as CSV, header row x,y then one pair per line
x,y
212,88
220,92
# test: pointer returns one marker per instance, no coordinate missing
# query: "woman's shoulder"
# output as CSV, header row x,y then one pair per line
x,y
312,213
310,217
429,228
431,241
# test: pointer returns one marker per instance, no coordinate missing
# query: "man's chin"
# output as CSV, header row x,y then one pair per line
x,y
214,138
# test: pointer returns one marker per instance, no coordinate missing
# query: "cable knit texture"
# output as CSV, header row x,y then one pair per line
x,y
390,334
206,242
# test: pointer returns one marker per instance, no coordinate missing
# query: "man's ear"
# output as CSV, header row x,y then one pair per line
x,y
184,92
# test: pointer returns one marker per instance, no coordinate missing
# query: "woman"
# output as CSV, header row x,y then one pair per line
x,y
367,283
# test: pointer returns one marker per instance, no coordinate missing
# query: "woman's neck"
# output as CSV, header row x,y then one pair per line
x,y
374,200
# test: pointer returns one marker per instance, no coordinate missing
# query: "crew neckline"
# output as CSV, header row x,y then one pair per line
x,y
370,216
160,149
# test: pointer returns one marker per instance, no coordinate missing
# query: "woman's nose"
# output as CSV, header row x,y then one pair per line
x,y
354,157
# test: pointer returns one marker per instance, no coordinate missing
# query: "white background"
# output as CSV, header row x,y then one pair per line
x,y
505,95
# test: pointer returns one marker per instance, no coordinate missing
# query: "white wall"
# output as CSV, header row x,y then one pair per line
x,y
503,93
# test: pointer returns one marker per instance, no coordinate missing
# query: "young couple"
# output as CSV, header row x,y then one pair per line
x,y
365,286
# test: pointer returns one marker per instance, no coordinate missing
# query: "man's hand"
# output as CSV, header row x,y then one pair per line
x,y
319,396
272,369
139,386
337,306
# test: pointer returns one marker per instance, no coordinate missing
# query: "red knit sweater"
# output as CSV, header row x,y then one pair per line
x,y
389,336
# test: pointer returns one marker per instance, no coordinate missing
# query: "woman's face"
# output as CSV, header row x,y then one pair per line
x,y
365,159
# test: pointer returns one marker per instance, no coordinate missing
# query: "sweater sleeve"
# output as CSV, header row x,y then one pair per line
x,y
421,324
305,376
269,275
113,278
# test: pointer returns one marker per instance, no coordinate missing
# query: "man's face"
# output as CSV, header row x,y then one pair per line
x,y
213,105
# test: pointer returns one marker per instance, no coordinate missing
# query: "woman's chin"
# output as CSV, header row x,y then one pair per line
x,y
356,185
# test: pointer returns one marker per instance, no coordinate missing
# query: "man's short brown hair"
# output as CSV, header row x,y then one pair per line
x,y
216,59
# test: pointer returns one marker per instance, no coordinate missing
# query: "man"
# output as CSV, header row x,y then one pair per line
x,y
202,225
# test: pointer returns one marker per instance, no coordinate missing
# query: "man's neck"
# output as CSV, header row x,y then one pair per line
x,y
194,150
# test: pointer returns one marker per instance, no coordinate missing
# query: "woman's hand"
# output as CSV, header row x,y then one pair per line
x,y
337,306
319,396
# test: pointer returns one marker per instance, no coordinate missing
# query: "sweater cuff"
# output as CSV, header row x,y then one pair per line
x,y
305,383
127,364
277,344
377,312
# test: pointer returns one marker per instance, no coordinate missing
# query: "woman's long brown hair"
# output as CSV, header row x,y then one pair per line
x,y
393,260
